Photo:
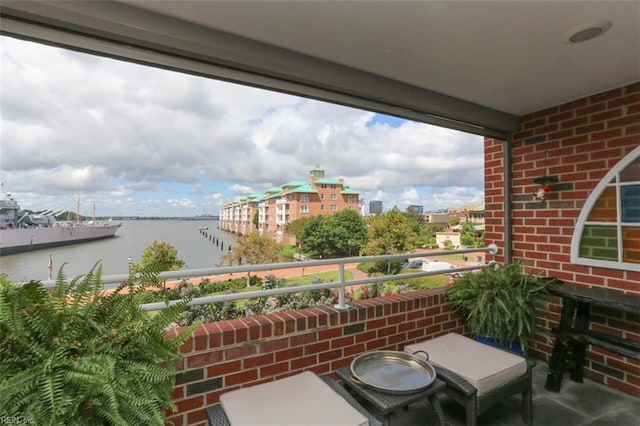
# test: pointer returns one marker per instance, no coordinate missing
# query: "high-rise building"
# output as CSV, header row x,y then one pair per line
x,y
269,213
375,207
416,208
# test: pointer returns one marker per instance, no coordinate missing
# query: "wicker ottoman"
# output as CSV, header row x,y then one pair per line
x,y
478,375
217,417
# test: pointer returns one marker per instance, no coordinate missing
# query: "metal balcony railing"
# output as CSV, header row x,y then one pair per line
x,y
341,284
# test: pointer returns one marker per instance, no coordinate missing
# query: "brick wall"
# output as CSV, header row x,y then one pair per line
x,y
579,142
227,355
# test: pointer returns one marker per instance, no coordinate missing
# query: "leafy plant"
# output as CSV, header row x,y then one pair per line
x,y
159,255
77,355
253,249
500,302
340,234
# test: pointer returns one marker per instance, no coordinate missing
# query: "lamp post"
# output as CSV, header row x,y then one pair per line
x,y
129,262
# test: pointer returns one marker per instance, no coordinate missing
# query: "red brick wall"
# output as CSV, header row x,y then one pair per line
x,y
227,355
579,142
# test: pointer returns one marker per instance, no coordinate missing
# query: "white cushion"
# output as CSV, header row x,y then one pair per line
x,y
303,399
483,366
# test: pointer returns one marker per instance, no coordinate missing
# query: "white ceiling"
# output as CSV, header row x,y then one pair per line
x,y
482,63
507,55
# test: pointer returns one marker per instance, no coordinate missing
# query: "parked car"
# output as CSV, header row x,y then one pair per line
x,y
413,264
438,266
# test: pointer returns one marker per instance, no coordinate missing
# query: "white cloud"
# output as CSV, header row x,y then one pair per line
x,y
151,140
241,189
409,197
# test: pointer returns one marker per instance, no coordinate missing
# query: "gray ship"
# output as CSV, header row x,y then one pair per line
x,y
21,231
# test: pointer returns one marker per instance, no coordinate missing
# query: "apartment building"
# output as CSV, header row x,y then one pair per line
x,y
375,207
475,214
270,212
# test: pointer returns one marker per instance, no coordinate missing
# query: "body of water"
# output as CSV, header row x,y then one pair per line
x,y
196,249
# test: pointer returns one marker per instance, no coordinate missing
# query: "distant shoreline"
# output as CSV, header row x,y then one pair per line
x,y
161,218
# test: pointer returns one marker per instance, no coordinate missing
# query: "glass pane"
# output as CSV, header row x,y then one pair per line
x,y
599,242
631,173
631,244
605,208
630,203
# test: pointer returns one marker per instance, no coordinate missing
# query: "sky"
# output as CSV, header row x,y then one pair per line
x,y
142,141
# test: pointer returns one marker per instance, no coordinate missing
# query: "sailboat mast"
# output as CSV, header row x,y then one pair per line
x,y
78,208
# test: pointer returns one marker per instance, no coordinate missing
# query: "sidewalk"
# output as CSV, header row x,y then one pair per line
x,y
294,271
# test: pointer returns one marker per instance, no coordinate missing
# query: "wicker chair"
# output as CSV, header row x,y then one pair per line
x,y
501,374
216,416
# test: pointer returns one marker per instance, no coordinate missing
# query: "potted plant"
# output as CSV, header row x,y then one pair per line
x,y
77,355
500,303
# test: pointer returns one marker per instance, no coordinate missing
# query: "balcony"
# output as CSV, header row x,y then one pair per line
x,y
291,348
282,219
588,403
227,355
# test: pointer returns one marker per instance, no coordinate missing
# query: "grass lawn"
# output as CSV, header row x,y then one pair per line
x,y
326,277
457,256
449,256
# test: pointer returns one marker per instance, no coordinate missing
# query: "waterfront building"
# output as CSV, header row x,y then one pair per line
x,y
475,214
375,207
452,236
269,213
438,218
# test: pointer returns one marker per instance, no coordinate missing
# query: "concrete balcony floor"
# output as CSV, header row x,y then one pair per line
x,y
577,404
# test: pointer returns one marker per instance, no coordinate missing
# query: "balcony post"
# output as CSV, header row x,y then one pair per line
x,y
341,297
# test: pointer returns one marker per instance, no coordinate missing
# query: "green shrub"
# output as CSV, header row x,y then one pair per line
x,y
76,356
500,302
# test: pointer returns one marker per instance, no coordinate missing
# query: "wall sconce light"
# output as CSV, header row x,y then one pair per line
x,y
545,184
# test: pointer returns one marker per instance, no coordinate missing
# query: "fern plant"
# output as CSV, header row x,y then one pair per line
x,y
500,302
76,355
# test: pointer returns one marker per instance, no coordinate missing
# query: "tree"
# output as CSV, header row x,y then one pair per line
x,y
390,233
468,236
350,232
315,236
416,220
296,227
253,249
159,256
429,233
340,234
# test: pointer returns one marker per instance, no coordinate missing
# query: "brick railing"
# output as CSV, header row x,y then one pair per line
x,y
227,355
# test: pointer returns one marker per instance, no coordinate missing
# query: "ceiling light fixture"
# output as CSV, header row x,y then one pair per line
x,y
587,31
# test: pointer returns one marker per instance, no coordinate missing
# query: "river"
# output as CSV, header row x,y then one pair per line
x,y
196,249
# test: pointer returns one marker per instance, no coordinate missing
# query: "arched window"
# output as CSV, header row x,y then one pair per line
x,y
607,233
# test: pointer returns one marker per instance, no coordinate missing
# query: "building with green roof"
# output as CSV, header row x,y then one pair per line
x,y
269,213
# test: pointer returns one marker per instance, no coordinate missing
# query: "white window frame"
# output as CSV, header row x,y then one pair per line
x,y
604,183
